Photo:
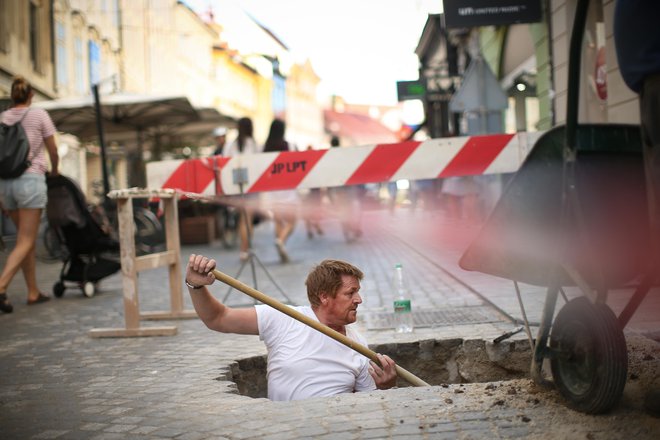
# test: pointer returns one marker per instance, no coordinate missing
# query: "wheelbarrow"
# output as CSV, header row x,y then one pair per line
x,y
576,214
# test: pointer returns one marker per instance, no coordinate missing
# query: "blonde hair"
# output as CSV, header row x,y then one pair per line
x,y
326,277
21,90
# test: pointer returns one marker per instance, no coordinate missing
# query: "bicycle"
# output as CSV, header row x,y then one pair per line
x,y
50,246
227,218
149,229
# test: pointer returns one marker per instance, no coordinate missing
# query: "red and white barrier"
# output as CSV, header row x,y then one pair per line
x,y
432,159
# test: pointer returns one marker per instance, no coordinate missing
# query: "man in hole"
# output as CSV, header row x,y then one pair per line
x,y
302,362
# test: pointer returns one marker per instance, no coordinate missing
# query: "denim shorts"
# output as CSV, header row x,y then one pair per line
x,y
27,191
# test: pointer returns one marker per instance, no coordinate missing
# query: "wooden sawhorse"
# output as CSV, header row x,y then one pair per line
x,y
131,265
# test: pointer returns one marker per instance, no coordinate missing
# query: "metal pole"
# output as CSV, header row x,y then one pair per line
x,y
99,129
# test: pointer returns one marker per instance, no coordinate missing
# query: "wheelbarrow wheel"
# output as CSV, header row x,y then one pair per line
x,y
589,356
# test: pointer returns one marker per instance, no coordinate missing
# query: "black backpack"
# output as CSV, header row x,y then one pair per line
x,y
14,150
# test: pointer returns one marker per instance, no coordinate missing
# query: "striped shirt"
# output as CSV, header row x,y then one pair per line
x,y
38,126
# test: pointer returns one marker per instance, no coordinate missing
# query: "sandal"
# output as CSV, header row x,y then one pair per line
x,y
281,250
5,306
40,299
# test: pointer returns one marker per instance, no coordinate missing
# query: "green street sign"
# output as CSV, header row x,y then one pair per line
x,y
410,90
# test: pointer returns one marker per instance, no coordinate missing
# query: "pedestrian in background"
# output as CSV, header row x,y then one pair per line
x,y
220,139
313,209
284,203
637,43
347,201
461,196
24,198
392,191
244,144
224,213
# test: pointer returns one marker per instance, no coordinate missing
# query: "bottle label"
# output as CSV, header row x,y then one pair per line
x,y
402,306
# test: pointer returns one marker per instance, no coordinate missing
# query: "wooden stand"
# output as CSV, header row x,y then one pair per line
x,y
131,265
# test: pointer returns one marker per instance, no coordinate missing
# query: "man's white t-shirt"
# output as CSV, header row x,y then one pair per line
x,y
304,363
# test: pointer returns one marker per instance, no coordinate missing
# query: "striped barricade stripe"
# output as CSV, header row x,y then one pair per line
x,y
432,159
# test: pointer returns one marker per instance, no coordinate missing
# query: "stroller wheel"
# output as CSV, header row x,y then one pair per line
x,y
88,289
58,289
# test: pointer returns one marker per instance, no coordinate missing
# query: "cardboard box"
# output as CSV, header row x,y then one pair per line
x,y
197,230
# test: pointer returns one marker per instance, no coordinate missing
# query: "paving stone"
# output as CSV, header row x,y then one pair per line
x,y
279,436
119,428
50,434
93,426
108,436
144,429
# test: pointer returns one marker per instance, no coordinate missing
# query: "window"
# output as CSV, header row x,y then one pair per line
x,y
34,36
279,96
78,65
115,13
61,56
94,62
4,25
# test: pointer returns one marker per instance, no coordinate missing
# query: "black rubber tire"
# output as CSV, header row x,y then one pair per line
x,y
58,289
589,356
53,244
229,227
149,232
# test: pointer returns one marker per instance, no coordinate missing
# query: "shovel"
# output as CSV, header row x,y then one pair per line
x,y
401,372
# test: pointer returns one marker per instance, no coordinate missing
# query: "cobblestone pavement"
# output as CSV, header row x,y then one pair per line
x,y
57,382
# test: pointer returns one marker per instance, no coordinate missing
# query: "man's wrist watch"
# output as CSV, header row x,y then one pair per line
x,y
192,286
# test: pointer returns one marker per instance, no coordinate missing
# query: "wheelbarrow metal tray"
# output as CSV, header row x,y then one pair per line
x,y
607,242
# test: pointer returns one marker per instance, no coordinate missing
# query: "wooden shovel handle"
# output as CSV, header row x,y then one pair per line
x,y
403,373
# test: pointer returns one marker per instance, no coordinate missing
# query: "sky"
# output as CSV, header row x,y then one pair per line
x,y
359,48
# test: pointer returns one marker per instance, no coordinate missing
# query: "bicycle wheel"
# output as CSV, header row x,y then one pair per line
x,y
54,245
228,219
149,232
50,246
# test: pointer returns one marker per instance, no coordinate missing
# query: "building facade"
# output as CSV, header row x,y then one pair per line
x,y
304,114
26,33
530,61
222,61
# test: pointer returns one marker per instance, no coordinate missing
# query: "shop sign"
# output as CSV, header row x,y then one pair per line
x,y
475,13
410,90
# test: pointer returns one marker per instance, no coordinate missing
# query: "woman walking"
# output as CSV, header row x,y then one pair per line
x,y
23,198
244,144
284,203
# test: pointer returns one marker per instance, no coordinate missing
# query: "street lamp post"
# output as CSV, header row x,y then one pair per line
x,y
99,128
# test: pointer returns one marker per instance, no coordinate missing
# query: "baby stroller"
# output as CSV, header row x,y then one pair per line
x,y
89,256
